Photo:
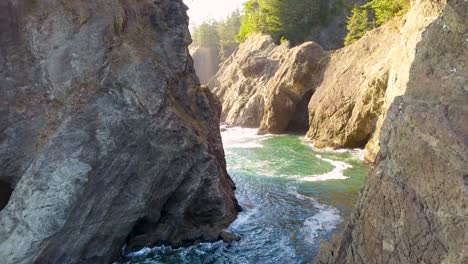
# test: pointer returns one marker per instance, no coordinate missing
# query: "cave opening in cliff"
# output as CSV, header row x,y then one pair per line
x,y
5,194
300,120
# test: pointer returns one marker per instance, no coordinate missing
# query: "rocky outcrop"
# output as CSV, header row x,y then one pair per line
x,y
106,138
268,86
414,206
289,90
206,62
362,80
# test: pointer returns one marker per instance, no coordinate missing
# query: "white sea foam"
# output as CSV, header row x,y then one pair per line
x,y
324,221
335,174
285,246
141,252
293,191
356,152
238,137
244,217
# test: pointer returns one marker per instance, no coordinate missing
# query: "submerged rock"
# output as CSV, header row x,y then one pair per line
x,y
268,86
414,206
106,137
229,237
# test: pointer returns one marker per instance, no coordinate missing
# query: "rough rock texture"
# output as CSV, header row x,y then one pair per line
x,y
106,136
362,80
290,89
414,207
268,86
206,63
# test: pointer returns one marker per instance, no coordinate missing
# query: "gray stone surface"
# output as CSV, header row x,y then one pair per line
x,y
361,81
106,136
267,85
414,206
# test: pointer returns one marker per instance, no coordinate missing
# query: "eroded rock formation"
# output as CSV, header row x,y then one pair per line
x,y
414,206
106,137
268,86
362,80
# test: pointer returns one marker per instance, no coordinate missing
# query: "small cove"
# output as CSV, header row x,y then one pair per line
x,y
293,197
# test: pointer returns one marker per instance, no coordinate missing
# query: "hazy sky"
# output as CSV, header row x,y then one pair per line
x,y
201,10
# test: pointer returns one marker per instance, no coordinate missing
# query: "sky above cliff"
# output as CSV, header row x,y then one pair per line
x,y
202,10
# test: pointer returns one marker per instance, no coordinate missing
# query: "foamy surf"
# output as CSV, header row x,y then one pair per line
x,y
336,174
357,153
238,137
278,224
244,217
324,221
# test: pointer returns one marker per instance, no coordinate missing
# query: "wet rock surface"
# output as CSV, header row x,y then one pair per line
x,y
106,137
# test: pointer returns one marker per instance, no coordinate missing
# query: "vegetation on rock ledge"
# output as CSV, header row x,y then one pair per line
x,y
371,15
292,19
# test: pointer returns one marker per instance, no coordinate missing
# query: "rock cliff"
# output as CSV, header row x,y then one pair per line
x,y
268,86
362,80
106,138
414,206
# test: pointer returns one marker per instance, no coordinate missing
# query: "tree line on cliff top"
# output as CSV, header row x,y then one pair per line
x,y
371,15
292,20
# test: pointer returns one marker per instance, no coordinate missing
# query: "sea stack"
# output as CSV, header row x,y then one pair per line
x,y
107,141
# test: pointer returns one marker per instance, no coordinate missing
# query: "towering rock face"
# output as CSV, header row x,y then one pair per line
x,y
345,108
206,62
268,86
362,80
242,79
106,138
414,207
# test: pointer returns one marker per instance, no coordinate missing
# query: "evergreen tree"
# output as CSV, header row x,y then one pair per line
x,y
358,24
387,9
260,16
206,35
382,11
291,19
227,31
218,35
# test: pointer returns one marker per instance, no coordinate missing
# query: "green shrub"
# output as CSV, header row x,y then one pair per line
x,y
387,9
283,40
292,19
358,24
218,34
371,15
